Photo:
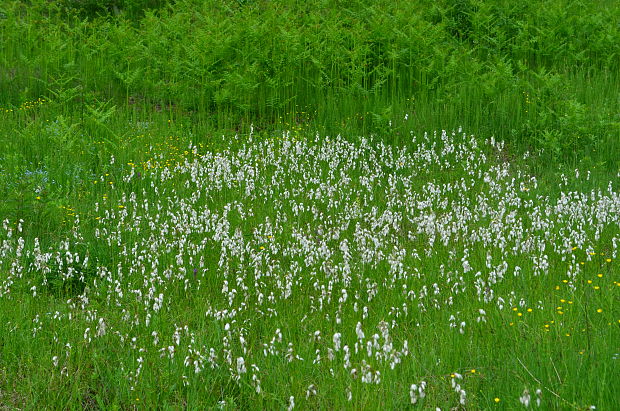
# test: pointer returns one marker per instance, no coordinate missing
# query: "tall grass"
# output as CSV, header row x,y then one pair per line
x,y
536,75
111,111
340,273
80,84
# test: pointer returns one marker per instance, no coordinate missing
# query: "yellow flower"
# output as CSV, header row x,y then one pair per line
x,y
497,399
608,260
600,310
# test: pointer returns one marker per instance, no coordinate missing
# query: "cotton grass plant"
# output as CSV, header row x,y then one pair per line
x,y
235,204
322,272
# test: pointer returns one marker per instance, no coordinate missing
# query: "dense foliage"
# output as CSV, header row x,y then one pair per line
x,y
218,204
538,74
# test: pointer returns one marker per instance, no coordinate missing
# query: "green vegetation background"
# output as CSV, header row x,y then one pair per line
x,y
81,80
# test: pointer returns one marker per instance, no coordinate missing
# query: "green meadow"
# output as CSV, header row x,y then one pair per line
x,y
327,204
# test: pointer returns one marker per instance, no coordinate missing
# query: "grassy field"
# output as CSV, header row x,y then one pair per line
x,y
252,204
